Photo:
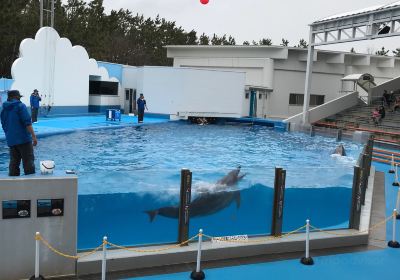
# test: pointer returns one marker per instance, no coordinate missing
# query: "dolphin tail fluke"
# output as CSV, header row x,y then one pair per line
x,y
237,199
152,214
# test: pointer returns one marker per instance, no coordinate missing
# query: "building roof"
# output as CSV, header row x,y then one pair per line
x,y
368,10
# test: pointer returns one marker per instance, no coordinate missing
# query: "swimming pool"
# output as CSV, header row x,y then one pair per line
x,y
124,172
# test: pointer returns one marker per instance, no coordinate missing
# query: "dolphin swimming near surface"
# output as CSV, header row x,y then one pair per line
x,y
207,203
340,150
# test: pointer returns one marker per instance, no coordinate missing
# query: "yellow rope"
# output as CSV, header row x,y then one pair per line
x,y
152,250
47,244
221,239
354,233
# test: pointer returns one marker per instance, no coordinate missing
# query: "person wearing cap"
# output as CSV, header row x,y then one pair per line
x,y
34,100
20,137
141,102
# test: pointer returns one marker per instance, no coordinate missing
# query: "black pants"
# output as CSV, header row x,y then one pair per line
x,y
140,115
34,114
22,152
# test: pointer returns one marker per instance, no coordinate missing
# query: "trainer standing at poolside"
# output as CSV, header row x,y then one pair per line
x,y
141,102
21,138
35,99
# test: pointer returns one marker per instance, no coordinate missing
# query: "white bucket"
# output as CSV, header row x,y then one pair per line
x,y
47,167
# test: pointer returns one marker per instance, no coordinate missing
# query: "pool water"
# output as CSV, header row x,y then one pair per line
x,y
124,172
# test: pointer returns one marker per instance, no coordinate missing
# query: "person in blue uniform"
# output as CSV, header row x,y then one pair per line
x,y
141,102
34,100
20,137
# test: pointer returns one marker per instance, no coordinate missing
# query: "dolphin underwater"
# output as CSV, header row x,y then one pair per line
x,y
340,150
207,203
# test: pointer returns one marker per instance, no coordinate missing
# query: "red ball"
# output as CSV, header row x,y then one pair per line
x,y
204,2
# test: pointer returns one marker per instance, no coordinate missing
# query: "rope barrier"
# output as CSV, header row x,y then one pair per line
x,y
221,239
354,233
47,244
153,250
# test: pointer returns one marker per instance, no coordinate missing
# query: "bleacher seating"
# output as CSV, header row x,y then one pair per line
x,y
359,118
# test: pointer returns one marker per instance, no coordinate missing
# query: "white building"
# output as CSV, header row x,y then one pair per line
x,y
277,74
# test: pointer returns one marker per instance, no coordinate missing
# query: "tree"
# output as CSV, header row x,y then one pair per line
x,y
204,39
285,42
265,42
254,43
396,52
302,44
246,43
382,51
352,50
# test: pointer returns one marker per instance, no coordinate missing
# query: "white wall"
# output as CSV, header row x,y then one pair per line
x,y
57,69
285,67
169,90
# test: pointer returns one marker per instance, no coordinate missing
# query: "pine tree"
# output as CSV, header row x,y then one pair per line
x,y
285,42
396,52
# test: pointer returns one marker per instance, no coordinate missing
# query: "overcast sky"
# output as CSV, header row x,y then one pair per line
x,y
253,19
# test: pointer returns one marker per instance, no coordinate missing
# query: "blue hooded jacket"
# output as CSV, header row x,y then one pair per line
x,y
34,100
14,120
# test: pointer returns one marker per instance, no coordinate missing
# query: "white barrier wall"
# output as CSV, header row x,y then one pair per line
x,y
169,90
57,69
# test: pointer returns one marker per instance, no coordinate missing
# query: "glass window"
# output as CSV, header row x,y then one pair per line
x,y
298,99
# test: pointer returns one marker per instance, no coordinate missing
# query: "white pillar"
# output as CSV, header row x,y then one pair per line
x,y
307,87
37,271
104,260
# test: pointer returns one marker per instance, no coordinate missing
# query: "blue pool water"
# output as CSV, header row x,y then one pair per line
x,y
124,172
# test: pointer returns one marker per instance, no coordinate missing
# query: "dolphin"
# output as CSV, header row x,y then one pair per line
x,y
340,150
207,203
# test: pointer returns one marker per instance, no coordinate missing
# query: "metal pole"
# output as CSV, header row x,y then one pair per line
x,y
52,13
41,13
307,87
103,263
393,243
307,260
37,240
396,177
307,239
391,170
398,204
198,274
199,251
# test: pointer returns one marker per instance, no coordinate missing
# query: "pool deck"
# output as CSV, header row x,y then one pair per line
x,y
52,126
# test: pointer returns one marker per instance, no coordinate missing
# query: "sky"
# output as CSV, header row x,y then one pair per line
x,y
254,19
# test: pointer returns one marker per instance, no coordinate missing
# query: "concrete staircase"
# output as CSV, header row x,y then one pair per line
x,y
359,118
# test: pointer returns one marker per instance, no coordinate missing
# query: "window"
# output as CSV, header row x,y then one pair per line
x,y
247,95
298,99
127,94
259,96
103,88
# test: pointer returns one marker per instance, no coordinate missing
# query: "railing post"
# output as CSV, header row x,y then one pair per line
x,y
312,131
198,274
396,177
398,204
104,260
393,243
355,210
279,199
184,207
37,275
391,170
307,260
339,135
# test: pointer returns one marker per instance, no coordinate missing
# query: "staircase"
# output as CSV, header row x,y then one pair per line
x,y
359,118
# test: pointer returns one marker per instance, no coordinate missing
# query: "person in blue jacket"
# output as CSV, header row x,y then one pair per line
x,y
21,138
141,102
35,99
